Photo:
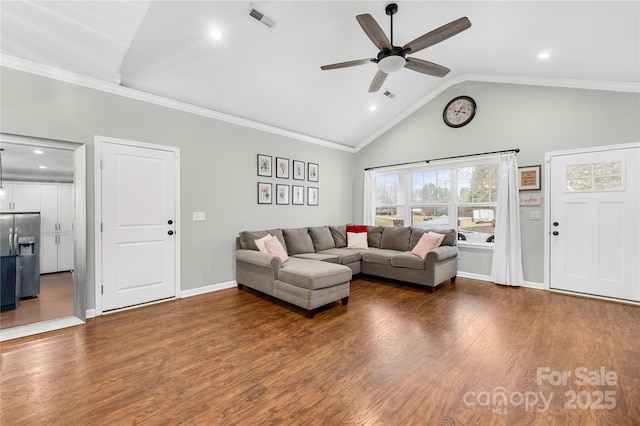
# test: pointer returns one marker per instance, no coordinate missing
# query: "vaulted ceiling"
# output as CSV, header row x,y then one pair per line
x,y
271,76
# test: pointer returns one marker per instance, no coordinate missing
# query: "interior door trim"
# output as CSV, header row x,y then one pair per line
x,y
98,142
547,196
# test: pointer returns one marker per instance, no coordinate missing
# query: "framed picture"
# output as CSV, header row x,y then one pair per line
x,y
313,172
529,178
264,165
297,195
282,168
282,194
298,170
264,193
312,196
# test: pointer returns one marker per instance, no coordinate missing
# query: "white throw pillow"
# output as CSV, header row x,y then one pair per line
x,y
260,242
440,237
357,240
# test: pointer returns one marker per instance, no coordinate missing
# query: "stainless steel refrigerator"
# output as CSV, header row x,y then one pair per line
x,y
20,236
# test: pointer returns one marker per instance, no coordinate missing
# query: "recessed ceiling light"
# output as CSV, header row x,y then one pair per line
x,y
42,167
372,108
216,34
37,151
544,55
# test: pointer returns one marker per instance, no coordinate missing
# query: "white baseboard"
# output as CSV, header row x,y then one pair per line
x,y
473,276
479,277
208,289
531,284
91,313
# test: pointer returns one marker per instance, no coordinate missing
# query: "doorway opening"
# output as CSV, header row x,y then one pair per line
x,y
45,178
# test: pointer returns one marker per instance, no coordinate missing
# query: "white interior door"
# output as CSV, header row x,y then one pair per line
x,y
138,225
594,216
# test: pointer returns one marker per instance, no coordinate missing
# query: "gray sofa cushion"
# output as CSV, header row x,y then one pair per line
x,y
247,238
312,274
346,255
374,235
396,238
321,238
408,260
378,255
449,236
339,234
331,258
298,241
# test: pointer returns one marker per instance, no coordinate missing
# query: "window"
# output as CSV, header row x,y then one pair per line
x,y
390,199
462,196
431,196
477,196
605,176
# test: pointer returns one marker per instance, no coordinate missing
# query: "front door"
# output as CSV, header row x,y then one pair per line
x,y
594,215
138,225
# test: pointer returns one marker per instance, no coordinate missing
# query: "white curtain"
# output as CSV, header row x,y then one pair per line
x,y
368,211
506,267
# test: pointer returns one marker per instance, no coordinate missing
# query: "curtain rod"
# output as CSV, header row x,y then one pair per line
x,y
516,150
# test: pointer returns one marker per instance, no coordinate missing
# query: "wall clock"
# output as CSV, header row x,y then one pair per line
x,y
459,111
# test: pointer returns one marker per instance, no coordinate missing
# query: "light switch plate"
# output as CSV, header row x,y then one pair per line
x,y
198,216
534,215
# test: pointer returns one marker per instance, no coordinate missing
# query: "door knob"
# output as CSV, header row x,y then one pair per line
x,y
554,232
170,232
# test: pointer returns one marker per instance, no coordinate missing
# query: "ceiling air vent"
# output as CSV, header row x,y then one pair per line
x,y
260,17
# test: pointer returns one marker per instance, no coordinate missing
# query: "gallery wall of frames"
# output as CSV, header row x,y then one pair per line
x,y
298,184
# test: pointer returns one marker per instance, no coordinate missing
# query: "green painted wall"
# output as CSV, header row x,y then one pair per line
x,y
218,166
218,159
534,119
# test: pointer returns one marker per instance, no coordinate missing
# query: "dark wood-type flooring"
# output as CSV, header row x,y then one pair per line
x,y
395,355
55,301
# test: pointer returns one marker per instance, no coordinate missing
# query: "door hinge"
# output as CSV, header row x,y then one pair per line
x,y
101,164
101,289
101,226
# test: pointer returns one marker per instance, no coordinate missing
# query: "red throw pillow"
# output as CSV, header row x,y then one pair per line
x,y
356,228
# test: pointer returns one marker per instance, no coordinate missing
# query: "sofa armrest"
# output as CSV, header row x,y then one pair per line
x,y
259,258
441,253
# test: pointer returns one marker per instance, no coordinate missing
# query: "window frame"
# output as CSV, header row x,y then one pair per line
x,y
405,210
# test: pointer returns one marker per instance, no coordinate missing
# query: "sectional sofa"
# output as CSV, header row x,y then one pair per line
x,y
318,264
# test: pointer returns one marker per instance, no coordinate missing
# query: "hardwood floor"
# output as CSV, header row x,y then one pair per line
x,y
396,355
55,301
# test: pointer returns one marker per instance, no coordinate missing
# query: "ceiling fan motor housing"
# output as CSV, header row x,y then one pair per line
x,y
391,60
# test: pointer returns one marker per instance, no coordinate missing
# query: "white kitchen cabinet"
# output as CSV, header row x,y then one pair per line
x,y
56,228
56,252
56,208
20,197
48,253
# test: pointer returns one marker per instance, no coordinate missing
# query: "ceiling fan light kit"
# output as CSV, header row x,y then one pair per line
x,y
392,58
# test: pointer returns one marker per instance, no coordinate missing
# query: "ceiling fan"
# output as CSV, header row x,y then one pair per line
x,y
391,58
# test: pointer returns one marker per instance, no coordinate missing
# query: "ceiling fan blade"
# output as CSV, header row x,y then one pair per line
x,y
346,64
373,30
438,35
426,67
378,79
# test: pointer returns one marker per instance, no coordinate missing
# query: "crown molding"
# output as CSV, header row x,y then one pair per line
x,y
110,87
611,86
113,88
